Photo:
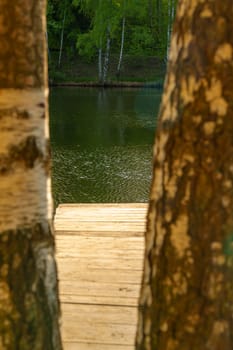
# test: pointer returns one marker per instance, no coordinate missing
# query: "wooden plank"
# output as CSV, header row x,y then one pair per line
x,y
99,214
99,226
99,248
99,314
117,234
72,273
95,346
77,243
105,251
90,216
98,300
89,212
96,262
99,293
111,289
107,324
82,212
105,333
104,205
116,253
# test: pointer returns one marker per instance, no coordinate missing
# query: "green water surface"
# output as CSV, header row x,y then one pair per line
x,y
102,143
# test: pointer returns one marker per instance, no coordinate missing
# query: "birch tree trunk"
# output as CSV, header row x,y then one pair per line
x,y
186,298
106,57
150,13
100,72
62,37
47,43
122,47
159,15
169,12
173,7
29,308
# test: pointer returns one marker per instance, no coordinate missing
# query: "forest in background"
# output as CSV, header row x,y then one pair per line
x,y
107,40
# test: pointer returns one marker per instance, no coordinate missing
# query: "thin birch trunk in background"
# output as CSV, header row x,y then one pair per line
x,y
47,43
62,36
122,47
100,71
150,13
158,16
171,16
173,12
106,57
168,27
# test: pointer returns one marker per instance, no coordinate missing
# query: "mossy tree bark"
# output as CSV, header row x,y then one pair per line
x,y
186,298
29,308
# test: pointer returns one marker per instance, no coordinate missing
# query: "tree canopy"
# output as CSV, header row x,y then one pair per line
x,y
87,22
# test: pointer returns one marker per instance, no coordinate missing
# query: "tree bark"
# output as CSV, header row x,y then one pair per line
x,y
29,307
186,299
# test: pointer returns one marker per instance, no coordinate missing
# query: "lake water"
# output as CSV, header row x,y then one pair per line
x,y
102,143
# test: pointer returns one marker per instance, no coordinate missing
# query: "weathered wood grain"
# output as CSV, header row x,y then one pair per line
x,y
100,251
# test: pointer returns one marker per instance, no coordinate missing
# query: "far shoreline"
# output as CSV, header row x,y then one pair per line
x,y
121,84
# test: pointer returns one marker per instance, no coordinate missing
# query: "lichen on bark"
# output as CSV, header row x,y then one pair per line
x,y
21,44
27,307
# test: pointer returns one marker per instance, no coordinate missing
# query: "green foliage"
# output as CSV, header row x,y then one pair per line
x,y
146,31
75,22
56,76
86,45
142,41
88,23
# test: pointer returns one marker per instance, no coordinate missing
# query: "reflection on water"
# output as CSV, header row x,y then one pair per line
x,y
102,143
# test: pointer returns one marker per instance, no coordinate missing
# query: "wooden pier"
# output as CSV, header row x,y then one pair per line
x,y
100,255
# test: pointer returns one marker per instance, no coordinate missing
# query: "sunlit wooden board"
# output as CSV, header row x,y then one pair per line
x,y
99,314
105,324
86,233
79,243
100,251
96,262
93,217
68,272
96,346
102,226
